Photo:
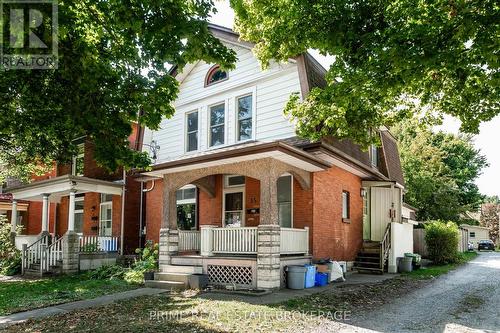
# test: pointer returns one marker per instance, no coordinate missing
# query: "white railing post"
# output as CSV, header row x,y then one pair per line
x,y
207,240
71,212
45,213
13,217
307,241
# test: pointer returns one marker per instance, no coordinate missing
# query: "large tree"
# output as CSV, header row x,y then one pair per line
x,y
490,218
390,58
113,65
439,170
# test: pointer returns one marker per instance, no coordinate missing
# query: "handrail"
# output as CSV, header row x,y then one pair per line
x,y
385,246
31,254
53,254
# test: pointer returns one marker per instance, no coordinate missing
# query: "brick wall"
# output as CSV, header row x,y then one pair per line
x,y
131,213
303,209
153,203
210,209
331,236
252,200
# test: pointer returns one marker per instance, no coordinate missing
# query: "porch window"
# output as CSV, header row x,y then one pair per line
x,y
234,181
244,125
346,203
186,208
79,202
285,201
217,124
78,161
192,131
106,215
374,155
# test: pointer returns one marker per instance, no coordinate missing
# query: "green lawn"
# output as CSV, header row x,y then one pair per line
x,y
19,296
435,270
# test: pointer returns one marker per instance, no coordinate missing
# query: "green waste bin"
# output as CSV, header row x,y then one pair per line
x,y
296,277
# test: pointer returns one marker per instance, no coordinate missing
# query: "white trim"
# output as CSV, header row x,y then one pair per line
x,y
237,189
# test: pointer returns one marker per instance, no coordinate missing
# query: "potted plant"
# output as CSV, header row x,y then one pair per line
x,y
148,260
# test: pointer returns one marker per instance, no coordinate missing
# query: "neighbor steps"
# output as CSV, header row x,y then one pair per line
x,y
34,270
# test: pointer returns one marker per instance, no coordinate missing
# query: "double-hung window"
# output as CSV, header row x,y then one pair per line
x,y
374,155
285,211
217,124
79,203
78,161
346,209
192,131
244,118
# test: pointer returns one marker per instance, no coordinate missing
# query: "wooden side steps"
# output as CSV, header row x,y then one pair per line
x,y
368,258
34,270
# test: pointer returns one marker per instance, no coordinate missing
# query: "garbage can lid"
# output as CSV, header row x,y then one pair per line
x,y
296,269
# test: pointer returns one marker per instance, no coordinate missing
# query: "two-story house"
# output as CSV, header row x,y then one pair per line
x,y
235,194
101,210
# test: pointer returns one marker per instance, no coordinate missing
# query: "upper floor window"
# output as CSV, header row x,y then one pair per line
x,y
472,234
346,205
244,125
374,155
217,124
214,75
192,131
78,161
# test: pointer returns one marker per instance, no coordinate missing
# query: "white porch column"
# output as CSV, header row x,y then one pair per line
x,y
71,212
45,213
13,217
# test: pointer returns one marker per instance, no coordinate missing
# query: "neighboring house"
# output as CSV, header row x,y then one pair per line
x,y
475,233
82,198
236,195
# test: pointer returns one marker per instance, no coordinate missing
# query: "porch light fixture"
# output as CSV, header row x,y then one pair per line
x,y
154,147
363,192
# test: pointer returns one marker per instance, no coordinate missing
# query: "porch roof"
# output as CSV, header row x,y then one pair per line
x,y
278,150
61,186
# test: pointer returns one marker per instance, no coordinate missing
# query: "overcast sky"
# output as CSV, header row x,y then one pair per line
x,y
488,140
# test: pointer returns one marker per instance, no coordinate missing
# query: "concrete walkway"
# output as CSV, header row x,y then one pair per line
x,y
284,295
66,307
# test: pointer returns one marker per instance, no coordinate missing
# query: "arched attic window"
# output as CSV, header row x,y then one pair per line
x,y
215,75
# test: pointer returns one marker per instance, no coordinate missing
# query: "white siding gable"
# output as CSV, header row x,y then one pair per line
x,y
270,90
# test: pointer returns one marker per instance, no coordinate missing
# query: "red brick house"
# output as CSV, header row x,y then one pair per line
x,y
105,213
236,195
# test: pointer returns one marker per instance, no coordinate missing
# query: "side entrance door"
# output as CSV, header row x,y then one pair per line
x,y
380,206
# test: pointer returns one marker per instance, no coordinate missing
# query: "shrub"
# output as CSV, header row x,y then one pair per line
x,y
442,242
148,257
10,257
108,272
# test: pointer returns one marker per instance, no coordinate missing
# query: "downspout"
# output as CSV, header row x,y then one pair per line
x,y
141,203
122,217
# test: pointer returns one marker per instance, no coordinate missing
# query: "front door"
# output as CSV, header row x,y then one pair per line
x,y
233,209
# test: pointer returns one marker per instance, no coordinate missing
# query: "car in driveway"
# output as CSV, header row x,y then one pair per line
x,y
485,244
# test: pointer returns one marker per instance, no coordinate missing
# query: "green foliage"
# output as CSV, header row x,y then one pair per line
x,y
10,256
148,257
108,272
490,219
113,66
440,170
442,242
392,59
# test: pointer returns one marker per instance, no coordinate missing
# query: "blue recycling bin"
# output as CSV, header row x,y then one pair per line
x,y
310,276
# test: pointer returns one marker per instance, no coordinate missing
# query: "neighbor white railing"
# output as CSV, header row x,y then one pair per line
x,y
98,244
32,254
189,240
294,241
235,240
51,255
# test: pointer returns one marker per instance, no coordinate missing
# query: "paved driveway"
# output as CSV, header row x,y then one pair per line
x,y
465,300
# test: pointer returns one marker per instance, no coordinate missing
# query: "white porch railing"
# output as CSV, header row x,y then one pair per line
x,y
294,241
189,240
235,240
98,244
32,254
53,255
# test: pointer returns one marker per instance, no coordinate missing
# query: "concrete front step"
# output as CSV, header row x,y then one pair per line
x,y
181,269
169,285
175,277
